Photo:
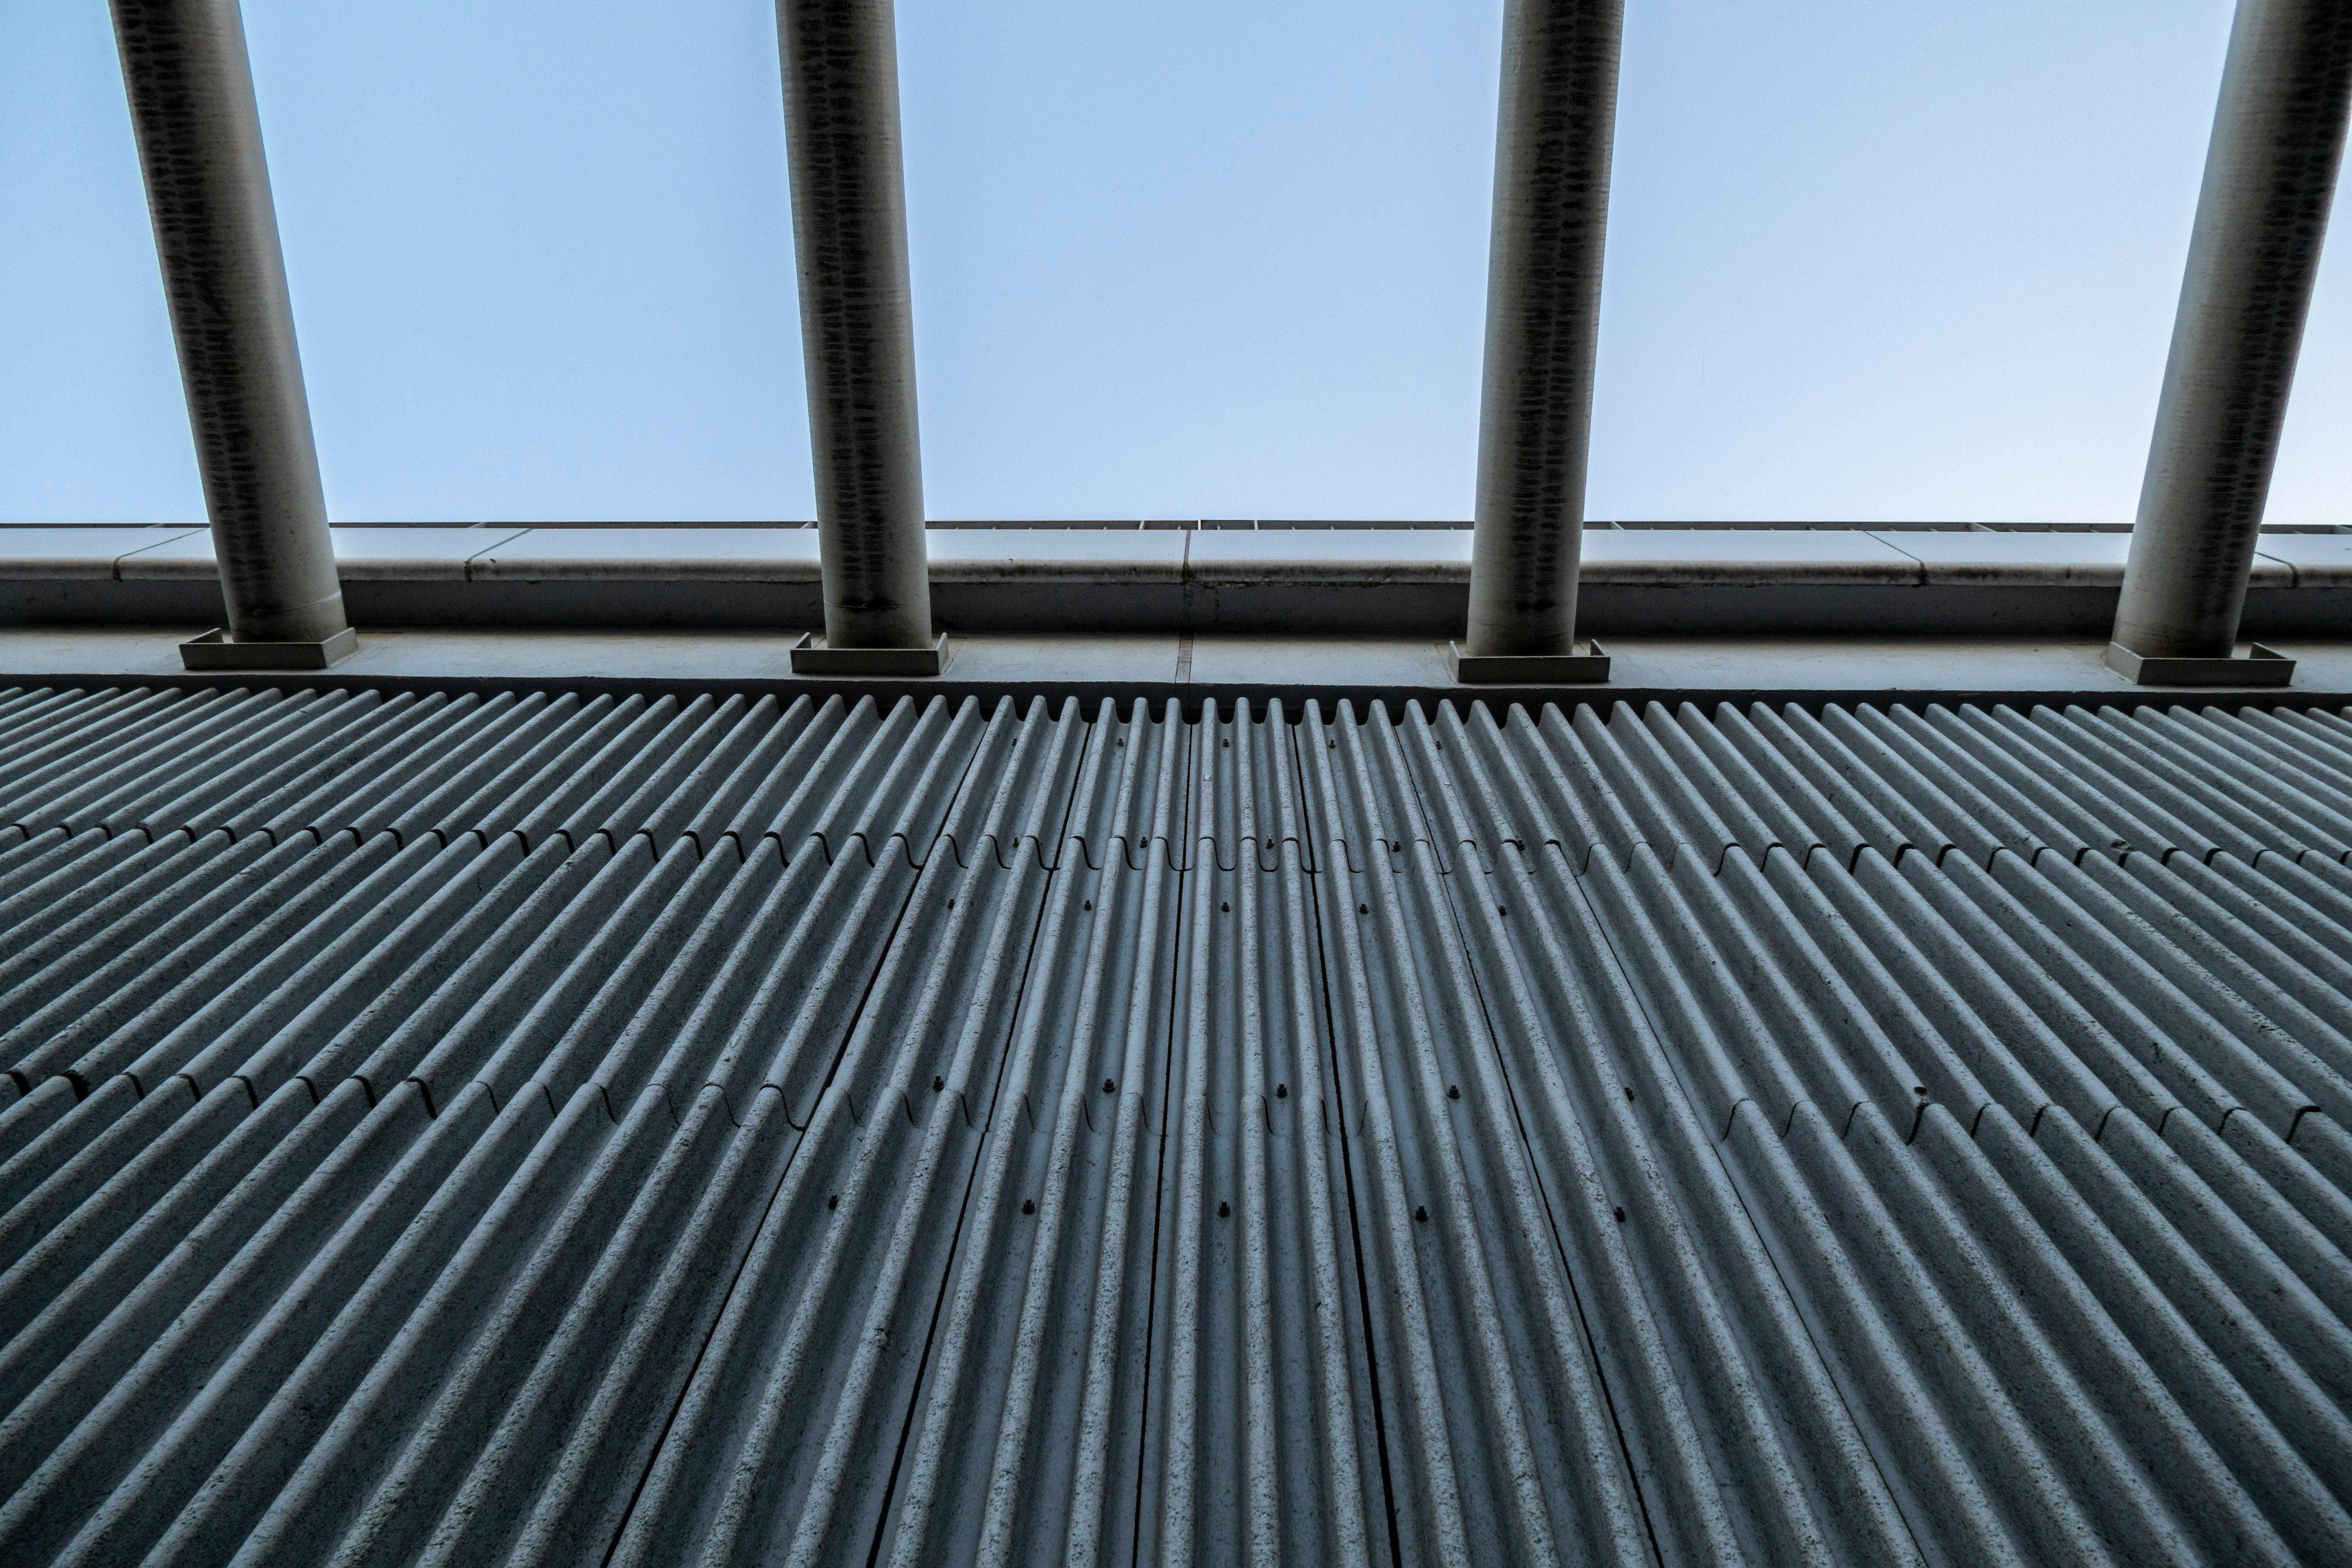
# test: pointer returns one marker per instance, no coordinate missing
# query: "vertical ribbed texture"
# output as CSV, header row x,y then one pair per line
x,y
544,1130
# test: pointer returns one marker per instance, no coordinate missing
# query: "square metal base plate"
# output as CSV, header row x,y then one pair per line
x,y
215,651
1589,663
2260,667
811,656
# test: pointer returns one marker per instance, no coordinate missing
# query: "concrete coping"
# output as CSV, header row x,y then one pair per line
x,y
1354,557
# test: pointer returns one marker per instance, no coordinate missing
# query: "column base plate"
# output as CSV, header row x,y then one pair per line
x,y
1589,664
812,657
2260,667
215,651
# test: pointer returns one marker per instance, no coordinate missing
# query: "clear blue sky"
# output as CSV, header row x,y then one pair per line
x,y
1867,258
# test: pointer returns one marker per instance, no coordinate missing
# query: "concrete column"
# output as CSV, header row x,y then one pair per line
x,y
2270,175
1543,315
192,109
857,325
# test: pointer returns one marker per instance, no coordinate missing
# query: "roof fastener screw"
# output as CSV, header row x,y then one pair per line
x,y
1282,1092
1504,910
1452,1092
1224,1211
1109,1087
1225,743
1090,903
1227,907
1629,1091
1363,909
1028,1206
833,1202
1621,1216
938,1084
950,903
1419,1215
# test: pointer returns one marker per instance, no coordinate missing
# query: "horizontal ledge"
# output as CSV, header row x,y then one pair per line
x,y
1369,581
1416,609
1278,525
1336,555
1809,671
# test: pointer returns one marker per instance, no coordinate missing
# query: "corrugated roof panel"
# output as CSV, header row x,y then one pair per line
x,y
1501,1439
537,1129
785,1441
1025,1431
1258,1440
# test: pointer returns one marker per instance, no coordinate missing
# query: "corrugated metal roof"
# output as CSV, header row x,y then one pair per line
x,y
552,1128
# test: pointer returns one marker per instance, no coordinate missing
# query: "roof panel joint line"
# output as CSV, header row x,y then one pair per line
x,y
1314,811
2270,178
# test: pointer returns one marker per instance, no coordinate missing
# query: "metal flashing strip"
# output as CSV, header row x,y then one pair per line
x,y
547,1128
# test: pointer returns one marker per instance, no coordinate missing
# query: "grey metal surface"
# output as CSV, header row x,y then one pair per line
x,y
858,317
2270,177
199,135
545,1128
1556,132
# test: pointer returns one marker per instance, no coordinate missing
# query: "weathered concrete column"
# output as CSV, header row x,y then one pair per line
x,y
199,134
857,324
2269,176
1543,317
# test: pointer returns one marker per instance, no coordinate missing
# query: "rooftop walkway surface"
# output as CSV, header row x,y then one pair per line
x,y
461,1123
